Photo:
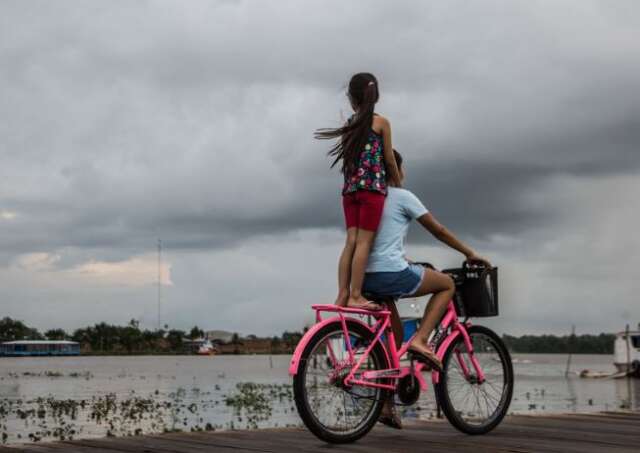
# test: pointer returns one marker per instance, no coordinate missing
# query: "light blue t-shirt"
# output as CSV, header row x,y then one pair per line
x,y
400,208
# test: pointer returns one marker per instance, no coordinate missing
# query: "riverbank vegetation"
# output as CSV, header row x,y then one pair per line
x,y
103,338
551,344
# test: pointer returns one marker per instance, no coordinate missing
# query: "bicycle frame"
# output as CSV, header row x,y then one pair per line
x,y
382,326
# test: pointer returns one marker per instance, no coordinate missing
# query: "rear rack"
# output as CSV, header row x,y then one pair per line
x,y
342,311
356,311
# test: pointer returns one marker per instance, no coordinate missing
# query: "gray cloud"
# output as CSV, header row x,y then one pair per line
x,y
124,122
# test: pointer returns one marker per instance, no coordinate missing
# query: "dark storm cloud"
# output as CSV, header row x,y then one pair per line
x,y
122,122
128,121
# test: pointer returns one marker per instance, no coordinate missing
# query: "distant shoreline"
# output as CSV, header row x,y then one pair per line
x,y
107,339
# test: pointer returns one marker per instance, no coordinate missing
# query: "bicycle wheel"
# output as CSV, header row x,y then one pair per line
x,y
332,411
472,406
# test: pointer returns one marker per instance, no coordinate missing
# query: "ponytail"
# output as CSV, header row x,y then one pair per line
x,y
363,94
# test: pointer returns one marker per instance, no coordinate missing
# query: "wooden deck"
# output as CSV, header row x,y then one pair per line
x,y
605,432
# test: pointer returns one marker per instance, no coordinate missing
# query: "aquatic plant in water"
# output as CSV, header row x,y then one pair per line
x,y
252,405
253,402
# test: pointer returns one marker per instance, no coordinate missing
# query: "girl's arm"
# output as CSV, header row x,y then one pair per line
x,y
393,174
441,233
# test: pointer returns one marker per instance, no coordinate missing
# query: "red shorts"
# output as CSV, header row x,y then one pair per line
x,y
363,209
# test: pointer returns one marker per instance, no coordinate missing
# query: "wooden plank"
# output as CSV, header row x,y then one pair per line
x,y
550,441
603,427
52,447
248,440
621,439
625,417
154,444
579,433
421,436
584,417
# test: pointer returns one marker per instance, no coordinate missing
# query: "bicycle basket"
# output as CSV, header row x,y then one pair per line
x,y
476,290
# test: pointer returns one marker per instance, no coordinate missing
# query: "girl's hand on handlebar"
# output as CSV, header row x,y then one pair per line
x,y
474,258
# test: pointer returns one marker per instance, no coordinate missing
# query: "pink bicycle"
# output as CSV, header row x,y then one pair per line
x,y
343,369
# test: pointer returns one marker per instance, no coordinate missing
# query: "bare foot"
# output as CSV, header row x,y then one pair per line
x,y
342,298
417,347
388,408
388,416
363,303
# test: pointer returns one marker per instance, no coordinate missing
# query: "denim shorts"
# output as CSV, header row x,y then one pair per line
x,y
396,284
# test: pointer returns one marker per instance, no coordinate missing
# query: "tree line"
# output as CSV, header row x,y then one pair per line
x,y
550,344
129,339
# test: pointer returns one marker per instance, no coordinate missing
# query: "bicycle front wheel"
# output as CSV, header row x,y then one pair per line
x,y
471,404
331,410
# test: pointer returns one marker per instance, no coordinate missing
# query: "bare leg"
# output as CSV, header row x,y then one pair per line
x,y
396,325
364,241
344,267
442,288
389,416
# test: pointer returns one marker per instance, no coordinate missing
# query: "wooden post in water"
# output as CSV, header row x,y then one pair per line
x,y
570,347
159,282
627,340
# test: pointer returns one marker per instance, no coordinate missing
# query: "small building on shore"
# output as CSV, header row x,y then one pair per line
x,y
219,336
26,348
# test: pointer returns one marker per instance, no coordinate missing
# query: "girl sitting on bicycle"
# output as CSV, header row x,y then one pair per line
x,y
368,165
390,273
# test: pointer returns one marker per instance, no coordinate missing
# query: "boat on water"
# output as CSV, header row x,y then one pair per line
x,y
199,346
626,351
29,348
207,348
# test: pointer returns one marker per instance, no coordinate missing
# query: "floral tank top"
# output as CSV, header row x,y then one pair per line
x,y
370,171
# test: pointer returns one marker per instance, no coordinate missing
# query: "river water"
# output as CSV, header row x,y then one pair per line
x,y
74,397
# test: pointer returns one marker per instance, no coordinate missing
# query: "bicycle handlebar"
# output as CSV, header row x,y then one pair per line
x,y
466,264
475,264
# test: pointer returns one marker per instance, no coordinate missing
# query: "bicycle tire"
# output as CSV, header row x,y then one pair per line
x,y
442,389
299,389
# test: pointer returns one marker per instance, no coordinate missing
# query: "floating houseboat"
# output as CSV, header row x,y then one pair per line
x,y
27,348
626,350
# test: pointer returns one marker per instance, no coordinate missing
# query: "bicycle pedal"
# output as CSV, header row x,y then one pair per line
x,y
428,366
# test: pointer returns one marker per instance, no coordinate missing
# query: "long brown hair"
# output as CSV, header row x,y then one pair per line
x,y
363,95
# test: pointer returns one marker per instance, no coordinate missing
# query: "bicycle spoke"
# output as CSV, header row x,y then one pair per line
x,y
492,387
475,402
486,400
337,408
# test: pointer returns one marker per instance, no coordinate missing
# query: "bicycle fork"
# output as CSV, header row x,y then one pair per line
x,y
479,376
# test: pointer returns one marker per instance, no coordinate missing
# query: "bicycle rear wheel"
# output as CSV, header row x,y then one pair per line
x,y
332,411
471,405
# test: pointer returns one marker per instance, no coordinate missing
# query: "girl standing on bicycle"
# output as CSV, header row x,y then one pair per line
x,y
368,165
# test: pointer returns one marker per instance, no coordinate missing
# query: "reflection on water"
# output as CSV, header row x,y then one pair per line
x,y
628,393
71,397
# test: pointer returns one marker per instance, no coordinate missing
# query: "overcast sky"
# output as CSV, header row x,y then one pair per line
x,y
123,122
